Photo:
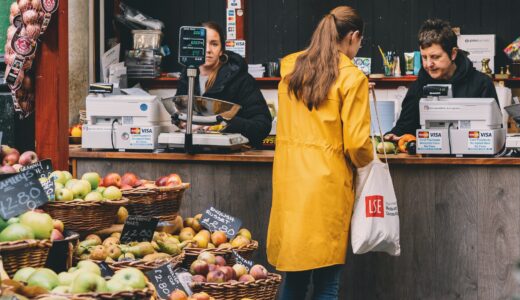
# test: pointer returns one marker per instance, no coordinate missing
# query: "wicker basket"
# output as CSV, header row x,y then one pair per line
x,y
26,253
162,202
263,289
246,252
146,293
85,216
142,265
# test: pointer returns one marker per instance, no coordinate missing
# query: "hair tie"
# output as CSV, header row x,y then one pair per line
x,y
333,16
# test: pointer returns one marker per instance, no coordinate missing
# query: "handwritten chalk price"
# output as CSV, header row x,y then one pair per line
x,y
166,280
215,220
138,229
20,193
240,260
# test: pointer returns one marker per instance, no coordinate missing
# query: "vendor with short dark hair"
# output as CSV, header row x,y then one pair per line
x,y
442,63
224,76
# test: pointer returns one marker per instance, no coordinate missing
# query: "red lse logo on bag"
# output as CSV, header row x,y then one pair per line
x,y
375,206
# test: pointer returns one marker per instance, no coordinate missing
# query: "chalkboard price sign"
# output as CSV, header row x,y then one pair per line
x,y
215,220
43,168
240,260
166,280
138,229
20,193
105,269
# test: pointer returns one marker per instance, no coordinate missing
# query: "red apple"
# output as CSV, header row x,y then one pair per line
x,y
58,224
161,181
258,272
138,183
229,272
27,158
56,235
199,267
7,169
11,158
112,179
212,267
216,276
126,187
246,278
220,261
129,179
173,180
178,295
198,278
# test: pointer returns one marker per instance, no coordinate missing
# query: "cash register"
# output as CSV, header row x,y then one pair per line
x,y
458,126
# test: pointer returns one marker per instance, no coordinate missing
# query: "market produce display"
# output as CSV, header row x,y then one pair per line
x,y
13,161
89,187
406,144
31,225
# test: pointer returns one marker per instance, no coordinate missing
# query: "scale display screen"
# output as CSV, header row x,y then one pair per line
x,y
192,46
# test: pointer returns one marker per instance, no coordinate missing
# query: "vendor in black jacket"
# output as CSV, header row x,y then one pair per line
x,y
224,76
442,63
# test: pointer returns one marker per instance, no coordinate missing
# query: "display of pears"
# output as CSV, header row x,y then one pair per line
x,y
91,187
163,246
84,278
199,237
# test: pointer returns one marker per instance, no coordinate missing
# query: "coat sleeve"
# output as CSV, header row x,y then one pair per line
x,y
489,91
355,117
408,120
254,119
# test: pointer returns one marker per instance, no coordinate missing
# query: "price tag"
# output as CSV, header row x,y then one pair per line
x,y
240,260
138,229
105,269
20,193
43,168
215,220
166,280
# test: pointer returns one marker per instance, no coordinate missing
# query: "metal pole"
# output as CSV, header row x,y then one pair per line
x,y
188,137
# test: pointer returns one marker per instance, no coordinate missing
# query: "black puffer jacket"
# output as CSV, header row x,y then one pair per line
x,y
235,84
466,83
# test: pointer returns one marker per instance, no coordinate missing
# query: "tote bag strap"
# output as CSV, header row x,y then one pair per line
x,y
378,126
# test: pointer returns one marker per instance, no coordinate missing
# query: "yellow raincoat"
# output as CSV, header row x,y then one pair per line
x,y
313,191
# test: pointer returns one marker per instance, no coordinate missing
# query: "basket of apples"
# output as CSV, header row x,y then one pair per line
x,y
145,256
25,241
181,295
217,243
11,160
161,198
82,282
84,205
212,275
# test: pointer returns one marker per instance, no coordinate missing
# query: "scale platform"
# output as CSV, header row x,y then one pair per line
x,y
213,140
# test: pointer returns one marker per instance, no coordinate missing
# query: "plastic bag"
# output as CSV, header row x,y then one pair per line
x,y
375,221
133,15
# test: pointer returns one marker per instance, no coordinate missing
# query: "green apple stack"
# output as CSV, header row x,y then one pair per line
x,y
88,188
29,225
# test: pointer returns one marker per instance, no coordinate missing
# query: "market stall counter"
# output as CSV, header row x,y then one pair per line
x,y
459,217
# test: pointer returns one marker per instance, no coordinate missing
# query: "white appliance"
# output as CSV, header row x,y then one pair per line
x,y
459,126
124,122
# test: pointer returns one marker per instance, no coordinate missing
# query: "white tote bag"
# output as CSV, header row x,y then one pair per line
x,y
375,221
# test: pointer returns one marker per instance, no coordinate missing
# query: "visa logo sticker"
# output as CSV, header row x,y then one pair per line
x,y
135,130
424,134
374,206
473,134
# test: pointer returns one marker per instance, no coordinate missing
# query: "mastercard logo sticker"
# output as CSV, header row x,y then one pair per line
x,y
424,134
135,130
473,134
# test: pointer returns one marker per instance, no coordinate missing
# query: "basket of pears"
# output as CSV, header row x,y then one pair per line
x,y
145,256
217,242
81,282
86,204
25,240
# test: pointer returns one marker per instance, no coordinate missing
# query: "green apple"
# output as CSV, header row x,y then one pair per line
x,y
81,188
58,186
72,269
131,277
23,274
66,278
89,266
86,282
67,174
69,184
16,232
64,194
112,193
61,289
101,189
93,178
94,196
13,220
40,223
58,176
115,286
45,278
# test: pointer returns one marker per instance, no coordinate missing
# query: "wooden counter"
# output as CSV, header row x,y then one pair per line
x,y
459,218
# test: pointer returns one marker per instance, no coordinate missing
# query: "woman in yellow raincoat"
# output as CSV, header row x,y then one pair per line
x,y
323,129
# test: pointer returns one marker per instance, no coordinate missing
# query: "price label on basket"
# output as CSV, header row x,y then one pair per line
x,y
20,193
215,220
43,169
166,280
240,260
106,271
139,229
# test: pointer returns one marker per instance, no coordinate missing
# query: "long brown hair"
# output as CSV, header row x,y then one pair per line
x,y
223,59
317,68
